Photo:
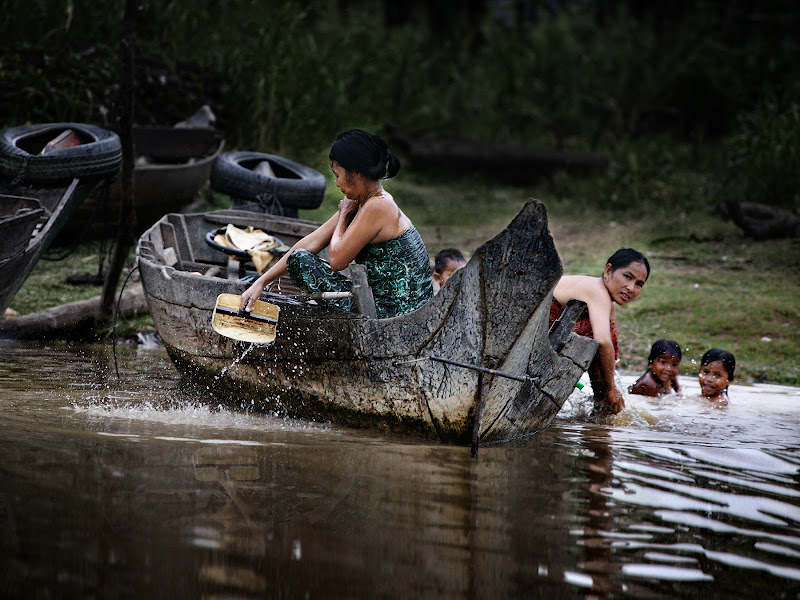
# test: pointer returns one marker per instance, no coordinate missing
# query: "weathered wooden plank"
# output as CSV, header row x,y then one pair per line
x,y
69,319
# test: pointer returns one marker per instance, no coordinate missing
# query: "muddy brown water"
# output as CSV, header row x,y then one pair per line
x,y
139,488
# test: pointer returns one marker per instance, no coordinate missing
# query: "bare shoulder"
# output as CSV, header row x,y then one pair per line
x,y
381,212
582,287
644,386
387,216
383,204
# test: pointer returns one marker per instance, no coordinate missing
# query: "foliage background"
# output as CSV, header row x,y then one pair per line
x,y
287,76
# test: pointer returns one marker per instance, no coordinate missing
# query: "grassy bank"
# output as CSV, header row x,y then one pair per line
x,y
710,286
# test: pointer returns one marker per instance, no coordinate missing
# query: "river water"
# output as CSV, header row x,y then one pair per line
x,y
136,488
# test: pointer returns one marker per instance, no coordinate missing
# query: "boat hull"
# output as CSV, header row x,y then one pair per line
x,y
57,203
380,373
173,165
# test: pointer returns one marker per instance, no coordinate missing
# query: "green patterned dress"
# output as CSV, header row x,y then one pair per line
x,y
398,272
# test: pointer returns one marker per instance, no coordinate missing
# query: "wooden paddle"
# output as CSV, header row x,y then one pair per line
x,y
257,327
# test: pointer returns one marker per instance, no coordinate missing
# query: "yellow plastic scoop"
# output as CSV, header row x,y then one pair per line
x,y
257,327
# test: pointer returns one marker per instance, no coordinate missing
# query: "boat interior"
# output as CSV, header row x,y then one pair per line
x,y
20,219
185,242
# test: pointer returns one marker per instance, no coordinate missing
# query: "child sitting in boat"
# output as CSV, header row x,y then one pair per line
x,y
716,374
446,263
661,376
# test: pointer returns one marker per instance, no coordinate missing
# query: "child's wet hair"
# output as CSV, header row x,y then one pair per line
x,y
445,256
718,354
625,256
664,347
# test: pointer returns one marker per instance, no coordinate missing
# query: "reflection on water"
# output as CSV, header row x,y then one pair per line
x,y
139,488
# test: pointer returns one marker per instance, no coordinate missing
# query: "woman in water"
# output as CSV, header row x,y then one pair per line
x,y
368,228
716,374
661,376
622,281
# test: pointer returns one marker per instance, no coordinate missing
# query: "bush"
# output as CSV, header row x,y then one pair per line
x,y
287,76
764,158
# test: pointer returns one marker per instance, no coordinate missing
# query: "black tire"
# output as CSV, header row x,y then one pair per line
x,y
295,185
99,156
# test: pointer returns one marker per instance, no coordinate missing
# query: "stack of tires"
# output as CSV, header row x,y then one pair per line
x,y
281,188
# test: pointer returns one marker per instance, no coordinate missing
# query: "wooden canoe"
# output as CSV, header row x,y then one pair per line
x,y
328,365
172,167
30,218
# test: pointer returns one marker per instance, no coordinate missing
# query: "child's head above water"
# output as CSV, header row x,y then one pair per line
x,y
445,263
661,376
665,348
716,373
664,360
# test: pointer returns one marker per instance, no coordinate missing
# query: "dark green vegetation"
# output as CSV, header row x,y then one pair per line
x,y
695,103
287,76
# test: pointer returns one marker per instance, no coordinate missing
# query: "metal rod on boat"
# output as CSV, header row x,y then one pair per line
x,y
327,295
521,378
314,296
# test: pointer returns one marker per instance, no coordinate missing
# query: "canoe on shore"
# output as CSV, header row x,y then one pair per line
x,y
172,168
481,345
46,171
30,218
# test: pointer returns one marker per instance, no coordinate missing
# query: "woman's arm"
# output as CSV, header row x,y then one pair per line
x,y
314,242
593,291
600,307
355,228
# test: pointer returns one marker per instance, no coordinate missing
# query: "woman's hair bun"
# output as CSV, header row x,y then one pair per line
x,y
392,166
360,151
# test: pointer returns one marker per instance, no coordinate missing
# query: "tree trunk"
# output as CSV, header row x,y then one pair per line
x,y
127,215
507,162
73,320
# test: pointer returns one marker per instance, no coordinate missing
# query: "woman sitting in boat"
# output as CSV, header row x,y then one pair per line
x,y
368,228
622,281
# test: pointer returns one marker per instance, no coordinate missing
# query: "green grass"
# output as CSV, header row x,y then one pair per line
x,y
47,284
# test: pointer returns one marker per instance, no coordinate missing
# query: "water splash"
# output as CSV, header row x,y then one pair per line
x,y
236,361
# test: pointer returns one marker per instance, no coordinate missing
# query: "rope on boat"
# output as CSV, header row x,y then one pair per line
x,y
522,378
116,314
101,199
479,404
456,363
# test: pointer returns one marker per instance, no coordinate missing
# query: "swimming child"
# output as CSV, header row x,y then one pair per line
x,y
446,263
661,376
716,374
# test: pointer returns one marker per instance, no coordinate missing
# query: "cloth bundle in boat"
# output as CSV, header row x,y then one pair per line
x,y
264,249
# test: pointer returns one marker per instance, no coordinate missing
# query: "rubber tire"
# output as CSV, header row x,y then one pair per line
x,y
296,185
98,158
240,254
